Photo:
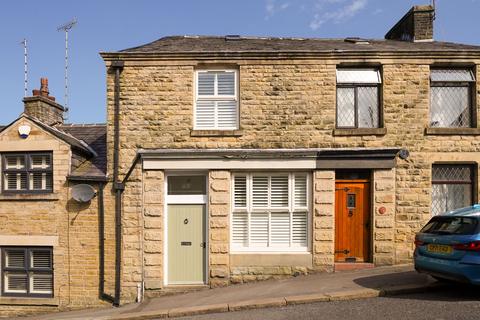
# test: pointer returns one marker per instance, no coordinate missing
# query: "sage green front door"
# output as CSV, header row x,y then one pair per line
x,y
186,243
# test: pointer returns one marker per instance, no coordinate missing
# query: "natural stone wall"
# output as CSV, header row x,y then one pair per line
x,y
219,227
323,220
383,189
287,103
153,231
260,273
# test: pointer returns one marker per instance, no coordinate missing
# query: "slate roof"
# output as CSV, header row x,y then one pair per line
x,y
235,44
95,135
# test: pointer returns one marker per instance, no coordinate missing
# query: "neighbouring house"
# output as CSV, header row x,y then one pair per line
x,y
53,252
237,159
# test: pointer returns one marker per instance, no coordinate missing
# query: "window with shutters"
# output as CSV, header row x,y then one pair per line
x,y
27,271
358,98
270,212
451,98
216,101
27,173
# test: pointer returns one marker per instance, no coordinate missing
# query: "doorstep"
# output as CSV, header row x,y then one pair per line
x,y
347,266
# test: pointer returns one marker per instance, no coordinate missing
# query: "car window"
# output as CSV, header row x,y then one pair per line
x,y
451,225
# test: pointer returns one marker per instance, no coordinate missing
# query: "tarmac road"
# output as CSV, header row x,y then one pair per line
x,y
453,302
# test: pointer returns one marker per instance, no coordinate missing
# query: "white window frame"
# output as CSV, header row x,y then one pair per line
x,y
216,97
291,209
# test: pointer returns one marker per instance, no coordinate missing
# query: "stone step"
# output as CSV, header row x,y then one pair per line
x,y
346,266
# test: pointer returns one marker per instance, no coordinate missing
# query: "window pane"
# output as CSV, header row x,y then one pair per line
x,y
205,114
299,229
15,181
260,192
451,225
280,229
41,283
358,76
15,258
300,191
40,161
345,107
259,229
16,282
447,197
367,107
454,173
240,193
227,114
451,75
206,83
240,229
279,191
41,259
15,162
450,107
226,83
186,185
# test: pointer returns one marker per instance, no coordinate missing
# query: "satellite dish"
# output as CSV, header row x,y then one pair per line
x,y
83,193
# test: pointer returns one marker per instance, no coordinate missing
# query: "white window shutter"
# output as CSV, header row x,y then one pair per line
x,y
279,191
206,83
280,229
16,282
205,114
299,229
41,259
300,191
227,114
41,283
226,83
259,229
260,191
240,191
240,229
15,259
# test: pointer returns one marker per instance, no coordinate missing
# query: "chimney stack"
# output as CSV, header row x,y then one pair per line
x,y
415,26
43,107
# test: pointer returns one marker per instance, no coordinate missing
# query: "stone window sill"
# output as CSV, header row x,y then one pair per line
x,y
360,132
14,301
216,133
29,197
452,131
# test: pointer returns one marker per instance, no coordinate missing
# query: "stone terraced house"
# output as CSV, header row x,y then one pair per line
x,y
233,159
52,252
237,159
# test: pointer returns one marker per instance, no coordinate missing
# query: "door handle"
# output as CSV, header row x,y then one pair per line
x,y
350,213
203,244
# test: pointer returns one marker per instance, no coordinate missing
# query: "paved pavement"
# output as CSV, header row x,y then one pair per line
x,y
344,285
453,302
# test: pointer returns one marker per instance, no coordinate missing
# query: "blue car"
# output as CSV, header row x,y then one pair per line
x,y
448,247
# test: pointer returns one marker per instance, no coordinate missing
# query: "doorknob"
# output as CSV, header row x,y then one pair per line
x,y
203,244
350,213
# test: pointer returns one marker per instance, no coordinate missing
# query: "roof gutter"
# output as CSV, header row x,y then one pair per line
x,y
118,187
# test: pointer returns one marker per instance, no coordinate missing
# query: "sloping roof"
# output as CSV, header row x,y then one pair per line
x,y
95,135
235,44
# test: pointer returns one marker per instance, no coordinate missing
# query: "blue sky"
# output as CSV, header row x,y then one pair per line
x,y
111,25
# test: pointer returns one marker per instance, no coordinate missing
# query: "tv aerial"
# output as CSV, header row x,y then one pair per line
x,y
66,28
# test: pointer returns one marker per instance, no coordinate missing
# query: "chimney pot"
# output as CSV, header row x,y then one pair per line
x,y
42,106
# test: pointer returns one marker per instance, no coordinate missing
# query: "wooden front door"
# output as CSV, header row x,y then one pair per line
x,y
352,221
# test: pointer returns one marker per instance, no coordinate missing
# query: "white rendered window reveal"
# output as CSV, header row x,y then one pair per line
x,y
270,212
216,100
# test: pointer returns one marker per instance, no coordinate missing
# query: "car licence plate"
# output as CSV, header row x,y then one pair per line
x,y
439,248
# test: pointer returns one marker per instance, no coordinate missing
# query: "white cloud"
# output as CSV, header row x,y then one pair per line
x,y
336,16
272,8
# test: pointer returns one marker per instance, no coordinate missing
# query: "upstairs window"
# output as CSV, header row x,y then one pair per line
x,y
270,212
451,98
216,101
27,271
358,102
27,172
